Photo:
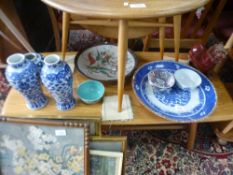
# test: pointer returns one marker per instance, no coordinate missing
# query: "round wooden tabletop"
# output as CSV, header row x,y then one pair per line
x,y
126,9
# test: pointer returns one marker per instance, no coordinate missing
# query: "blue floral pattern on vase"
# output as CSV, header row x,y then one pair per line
x,y
23,76
58,79
36,58
173,96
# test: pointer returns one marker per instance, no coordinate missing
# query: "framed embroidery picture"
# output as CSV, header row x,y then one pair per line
x,y
105,162
43,148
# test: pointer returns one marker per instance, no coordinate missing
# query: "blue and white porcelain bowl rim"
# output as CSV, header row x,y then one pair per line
x,y
15,59
154,85
92,100
52,59
31,53
164,116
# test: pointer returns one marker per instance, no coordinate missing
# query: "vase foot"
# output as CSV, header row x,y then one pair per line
x,y
66,106
40,103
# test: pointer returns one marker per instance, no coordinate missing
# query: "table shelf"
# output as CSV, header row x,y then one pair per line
x,y
14,105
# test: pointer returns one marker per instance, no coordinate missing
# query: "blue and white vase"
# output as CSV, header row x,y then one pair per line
x,y
36,58
23,76
57,77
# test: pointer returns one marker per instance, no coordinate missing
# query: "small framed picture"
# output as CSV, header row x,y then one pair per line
x,y
111,144
108,143
105,162
43,147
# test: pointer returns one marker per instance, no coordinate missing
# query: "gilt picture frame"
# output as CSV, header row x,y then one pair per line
x,y
45,147
105,162
110,143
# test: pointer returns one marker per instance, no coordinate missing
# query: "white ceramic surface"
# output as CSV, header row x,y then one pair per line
x,y
100,62
187,79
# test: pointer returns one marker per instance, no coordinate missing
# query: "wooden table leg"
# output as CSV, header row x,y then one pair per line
x,y
177,30
122,49
161,36
192,135
65,31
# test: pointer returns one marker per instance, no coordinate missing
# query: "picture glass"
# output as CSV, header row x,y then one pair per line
x,y
103,165
105,162
41,150
106,145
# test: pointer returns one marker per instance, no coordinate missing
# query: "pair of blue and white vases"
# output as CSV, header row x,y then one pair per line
x,y
26,71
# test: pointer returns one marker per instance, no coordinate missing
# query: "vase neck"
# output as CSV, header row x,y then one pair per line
x,y
52,61
30,56
16,60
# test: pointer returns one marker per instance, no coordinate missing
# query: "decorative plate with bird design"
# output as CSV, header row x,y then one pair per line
x,y
99,62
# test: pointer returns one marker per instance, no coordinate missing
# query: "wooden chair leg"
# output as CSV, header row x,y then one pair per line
x,y
65,31
177,30
213,20
14,30
15,45
161,36
192,135
122,49
55,27
188,22
146,41
228,127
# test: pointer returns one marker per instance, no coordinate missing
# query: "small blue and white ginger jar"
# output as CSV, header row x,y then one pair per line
x,y
23,76
57,77
36,58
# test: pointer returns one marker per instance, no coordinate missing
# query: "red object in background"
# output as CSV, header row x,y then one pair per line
x,y
201,59
204,59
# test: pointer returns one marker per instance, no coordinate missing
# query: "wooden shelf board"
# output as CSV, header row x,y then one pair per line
x,y
15,107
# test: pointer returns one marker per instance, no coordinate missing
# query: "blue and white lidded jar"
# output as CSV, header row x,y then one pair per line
x,y
57,77
23,76
36,58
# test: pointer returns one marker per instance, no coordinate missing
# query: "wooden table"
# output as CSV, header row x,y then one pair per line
x,y
124,11
14,106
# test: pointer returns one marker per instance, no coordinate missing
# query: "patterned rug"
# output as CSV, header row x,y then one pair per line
x,y
148,154
4,88
163,152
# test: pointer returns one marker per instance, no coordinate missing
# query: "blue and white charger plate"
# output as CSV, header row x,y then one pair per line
x,y
175,103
